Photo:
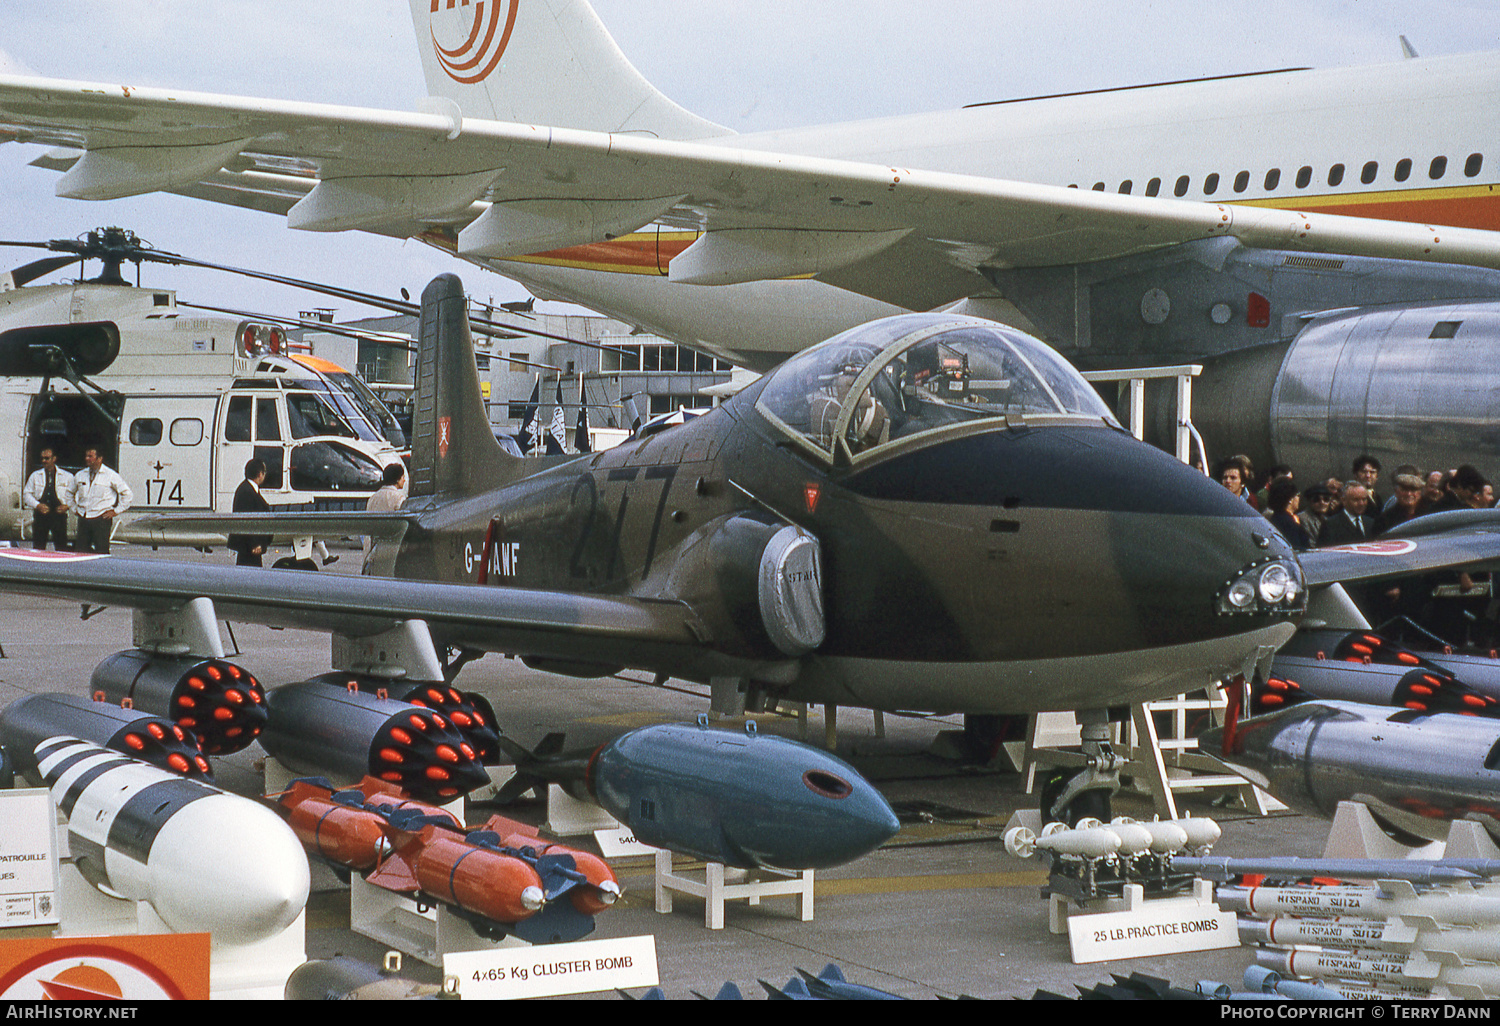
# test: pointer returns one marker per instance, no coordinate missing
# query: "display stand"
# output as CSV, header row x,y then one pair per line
x,y
1355,834
569,817
255,971
424,932
721,884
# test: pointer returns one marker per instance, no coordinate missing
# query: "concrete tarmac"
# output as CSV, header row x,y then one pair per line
x,y
941,911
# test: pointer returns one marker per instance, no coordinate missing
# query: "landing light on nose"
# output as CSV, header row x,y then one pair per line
x,y
1269,586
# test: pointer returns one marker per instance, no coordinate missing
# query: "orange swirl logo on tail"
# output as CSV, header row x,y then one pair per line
x,y
484,38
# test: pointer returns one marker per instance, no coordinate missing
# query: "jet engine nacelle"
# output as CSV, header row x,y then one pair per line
x,y
52,349
756,580
1404,383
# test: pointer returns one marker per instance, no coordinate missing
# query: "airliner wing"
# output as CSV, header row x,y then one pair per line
x,y
602,629
511,189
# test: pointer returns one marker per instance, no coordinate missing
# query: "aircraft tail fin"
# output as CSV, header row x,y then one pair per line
x,y
542,62
453,450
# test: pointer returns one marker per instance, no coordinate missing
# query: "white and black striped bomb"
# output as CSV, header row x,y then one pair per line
x,y
326,730
206,861
223,704
31,719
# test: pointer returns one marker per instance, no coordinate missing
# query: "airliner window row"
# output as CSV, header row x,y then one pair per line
x,y
1367,175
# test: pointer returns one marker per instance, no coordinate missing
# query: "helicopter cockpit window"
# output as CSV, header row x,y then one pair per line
x,y
309,415
899,378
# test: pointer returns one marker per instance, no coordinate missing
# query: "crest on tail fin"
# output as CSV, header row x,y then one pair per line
x,y
542,62
453,450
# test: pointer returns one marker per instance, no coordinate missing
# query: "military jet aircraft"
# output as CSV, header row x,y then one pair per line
x,y
928,512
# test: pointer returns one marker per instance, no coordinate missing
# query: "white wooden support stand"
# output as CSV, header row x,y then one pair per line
x,y
255,971
1061,908
425,932
721,884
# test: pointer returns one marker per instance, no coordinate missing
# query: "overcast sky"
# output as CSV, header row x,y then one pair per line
x,y
749,66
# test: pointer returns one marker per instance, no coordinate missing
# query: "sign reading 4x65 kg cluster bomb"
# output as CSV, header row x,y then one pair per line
x,y
548,970
1159,928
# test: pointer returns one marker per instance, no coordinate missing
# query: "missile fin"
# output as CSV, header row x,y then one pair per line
x,y
1396,889
395,874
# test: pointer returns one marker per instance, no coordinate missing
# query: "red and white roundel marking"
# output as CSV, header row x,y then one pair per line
x,y
1393,547
88,972
47,556
469,38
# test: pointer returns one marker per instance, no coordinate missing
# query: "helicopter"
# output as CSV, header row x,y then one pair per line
x,y
176,398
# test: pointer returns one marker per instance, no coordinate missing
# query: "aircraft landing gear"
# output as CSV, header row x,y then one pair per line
x,y
1073,794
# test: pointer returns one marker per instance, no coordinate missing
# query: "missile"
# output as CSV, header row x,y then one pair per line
x,y
31,719
1457,907
1418,871
1419,688
831,985
1259,979
223,704
1475,944
471,714
323,730
745,800
1417,771
206,861
1470,981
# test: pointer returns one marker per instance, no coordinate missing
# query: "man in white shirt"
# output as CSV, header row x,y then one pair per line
x,y
388,499
99,495
47,494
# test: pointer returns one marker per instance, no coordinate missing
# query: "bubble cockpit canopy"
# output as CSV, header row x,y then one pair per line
x,y
896,379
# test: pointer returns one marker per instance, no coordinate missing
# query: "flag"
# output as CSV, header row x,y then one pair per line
x,y
527,433
581,432
557,433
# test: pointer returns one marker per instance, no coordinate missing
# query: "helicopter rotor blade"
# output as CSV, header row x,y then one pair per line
x,y
30,272
116,245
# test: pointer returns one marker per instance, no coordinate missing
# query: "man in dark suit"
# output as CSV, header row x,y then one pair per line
x,y
247,499
1351,524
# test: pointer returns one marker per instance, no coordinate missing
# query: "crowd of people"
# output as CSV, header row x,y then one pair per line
x,y
1458,608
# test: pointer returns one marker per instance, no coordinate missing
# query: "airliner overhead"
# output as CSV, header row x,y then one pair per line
x,y
783,64
543,153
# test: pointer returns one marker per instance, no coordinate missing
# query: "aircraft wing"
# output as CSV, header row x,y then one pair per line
x,y
765,214
185,528
578,628
1461,540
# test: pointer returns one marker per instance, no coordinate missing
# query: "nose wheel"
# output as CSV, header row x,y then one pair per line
x,y
1067,797
1070,795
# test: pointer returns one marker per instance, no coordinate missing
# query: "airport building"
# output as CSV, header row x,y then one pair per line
x,y
622,375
